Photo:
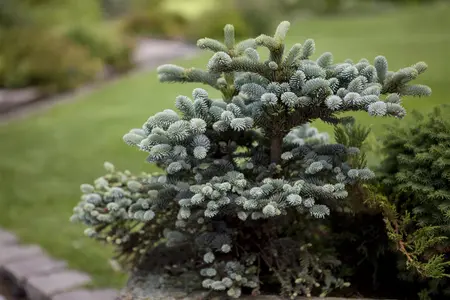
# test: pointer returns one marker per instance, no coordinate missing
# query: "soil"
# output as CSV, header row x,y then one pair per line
x,y
8,291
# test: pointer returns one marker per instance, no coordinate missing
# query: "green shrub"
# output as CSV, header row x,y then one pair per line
x,y
390,237
155,22
260,16
120,57
49,13
247,18
212,25
293,8
53,13
141,23
9,14
251,17
115,8
31,57
415,177
98,45
110,46
410,1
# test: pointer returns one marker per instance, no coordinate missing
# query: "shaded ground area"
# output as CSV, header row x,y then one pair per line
x,y
6,290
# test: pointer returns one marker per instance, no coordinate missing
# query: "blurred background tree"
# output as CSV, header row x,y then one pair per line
x,y
100,34
34,34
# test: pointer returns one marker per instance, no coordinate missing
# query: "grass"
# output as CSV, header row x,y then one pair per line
x,y
191,9
403,37
47,156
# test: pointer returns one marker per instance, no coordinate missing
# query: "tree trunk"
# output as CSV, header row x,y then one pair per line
x,y
276,149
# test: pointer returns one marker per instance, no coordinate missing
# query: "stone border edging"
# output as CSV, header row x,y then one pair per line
x,y
42,277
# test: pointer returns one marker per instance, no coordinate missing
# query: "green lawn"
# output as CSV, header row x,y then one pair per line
x,y
45,157
191,9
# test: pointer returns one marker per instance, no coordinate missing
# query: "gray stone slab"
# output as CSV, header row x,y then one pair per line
x,y
106,294
11,97
35,265
13,253
7,238
45,286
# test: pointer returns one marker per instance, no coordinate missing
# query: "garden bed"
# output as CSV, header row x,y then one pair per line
x,y
144,288
148,54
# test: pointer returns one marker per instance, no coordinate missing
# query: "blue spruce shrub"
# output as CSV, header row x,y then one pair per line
x,y
245,181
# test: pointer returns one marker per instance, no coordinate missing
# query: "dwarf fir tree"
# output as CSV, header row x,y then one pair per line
x,y
245,181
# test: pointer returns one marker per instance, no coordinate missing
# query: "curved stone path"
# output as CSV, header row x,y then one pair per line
x,y
41,277
148,54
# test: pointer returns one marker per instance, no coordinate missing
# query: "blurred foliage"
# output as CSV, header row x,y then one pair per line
x,y
48,12
30,57
409,1
85,31
318,6
191,9
155,23
150,18
250,18
42,44
260,16
115,8
9,16
170,18
158,18
53,13
295,7
112,47
213,25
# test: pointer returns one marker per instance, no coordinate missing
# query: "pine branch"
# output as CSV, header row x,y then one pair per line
x,y
408,243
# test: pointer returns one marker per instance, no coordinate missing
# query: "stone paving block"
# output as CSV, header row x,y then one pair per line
x,y
7,238
37,265
106,294
13,253
45,286
10,97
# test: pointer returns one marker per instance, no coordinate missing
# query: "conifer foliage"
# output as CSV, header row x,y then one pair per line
x,y
415,176
246,181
